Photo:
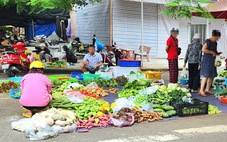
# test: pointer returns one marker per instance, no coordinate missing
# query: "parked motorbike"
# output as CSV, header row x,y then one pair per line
x,y
78,46
12,61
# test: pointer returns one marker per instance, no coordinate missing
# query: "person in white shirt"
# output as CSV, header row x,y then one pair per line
x,y
92,61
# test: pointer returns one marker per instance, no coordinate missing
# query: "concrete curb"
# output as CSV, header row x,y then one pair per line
x,y
69,70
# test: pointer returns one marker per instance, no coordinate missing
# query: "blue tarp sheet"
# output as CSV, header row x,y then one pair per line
x,y
46,30
41,28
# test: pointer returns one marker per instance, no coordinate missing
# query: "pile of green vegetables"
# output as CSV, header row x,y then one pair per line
x,y
140,84
87,109
126,93
223,73
58,64
165,94
57,82
213,110
62,87
166,110
102,82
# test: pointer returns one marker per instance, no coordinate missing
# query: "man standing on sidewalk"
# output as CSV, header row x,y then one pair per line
x,y
172,51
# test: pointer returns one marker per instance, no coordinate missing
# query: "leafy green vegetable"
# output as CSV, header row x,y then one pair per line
x,y
223,73
138,84
102,82
128,93
213,110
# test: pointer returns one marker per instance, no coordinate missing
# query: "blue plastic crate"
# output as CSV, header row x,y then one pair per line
x,y
129,63
184,81
14,93
87,77
15,79
78,75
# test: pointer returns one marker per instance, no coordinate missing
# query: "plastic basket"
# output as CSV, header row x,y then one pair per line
x,y
87,77
64,78
54,77
187,109
4,80
184,81
129,63
15,93
78,75
154,75
15,79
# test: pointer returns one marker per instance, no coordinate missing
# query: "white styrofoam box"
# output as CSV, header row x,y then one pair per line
x,y
119,71
132,77
106,74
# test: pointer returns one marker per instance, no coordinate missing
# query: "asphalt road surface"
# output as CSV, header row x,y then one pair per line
x,y
188,129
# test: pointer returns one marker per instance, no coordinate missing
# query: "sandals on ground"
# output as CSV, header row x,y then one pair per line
x,y
209,92
202,94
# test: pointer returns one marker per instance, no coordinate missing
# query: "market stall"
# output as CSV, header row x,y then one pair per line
x,y
86,101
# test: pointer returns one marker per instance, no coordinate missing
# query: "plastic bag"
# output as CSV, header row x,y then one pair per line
x,y
40,133
121,103
92,85
147,106
75,100
218,61
66,129
22,124
122,123
100,46
75,94
151,90
184,73
72,85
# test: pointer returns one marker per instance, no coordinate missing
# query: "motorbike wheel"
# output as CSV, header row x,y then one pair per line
x,y
12,71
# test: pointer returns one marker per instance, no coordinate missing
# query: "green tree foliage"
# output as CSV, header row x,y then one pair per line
x,y
184,8
36,6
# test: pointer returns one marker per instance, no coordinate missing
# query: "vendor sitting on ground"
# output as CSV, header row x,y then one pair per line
x,y
36,90
70,57
92,61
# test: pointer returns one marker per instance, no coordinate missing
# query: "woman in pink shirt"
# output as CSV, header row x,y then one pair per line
x,y
36,89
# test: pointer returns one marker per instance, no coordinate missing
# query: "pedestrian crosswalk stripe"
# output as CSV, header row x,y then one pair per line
x,y
173,135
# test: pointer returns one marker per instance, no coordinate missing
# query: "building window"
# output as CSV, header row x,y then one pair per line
x,y
198,28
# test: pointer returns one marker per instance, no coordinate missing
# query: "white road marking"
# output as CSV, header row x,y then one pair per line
x,y
155,138
203,130
174,135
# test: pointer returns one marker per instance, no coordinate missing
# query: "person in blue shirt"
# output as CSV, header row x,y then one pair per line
x,y
92,61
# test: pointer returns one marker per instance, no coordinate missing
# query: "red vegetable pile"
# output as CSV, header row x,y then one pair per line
x,y
95,121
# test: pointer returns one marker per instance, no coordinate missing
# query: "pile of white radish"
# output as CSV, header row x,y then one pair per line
x,y
56,117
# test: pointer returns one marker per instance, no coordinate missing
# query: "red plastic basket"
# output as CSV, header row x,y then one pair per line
x,y
223,100
64,79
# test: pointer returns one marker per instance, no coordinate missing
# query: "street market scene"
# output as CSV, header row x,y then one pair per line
x,y
113,70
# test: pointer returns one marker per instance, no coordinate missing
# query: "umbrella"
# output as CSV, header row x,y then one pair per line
x,y
218,9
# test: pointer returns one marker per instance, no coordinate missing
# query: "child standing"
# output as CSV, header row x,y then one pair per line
x,y
36,89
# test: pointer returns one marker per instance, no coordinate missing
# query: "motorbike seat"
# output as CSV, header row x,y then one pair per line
x,y
10,52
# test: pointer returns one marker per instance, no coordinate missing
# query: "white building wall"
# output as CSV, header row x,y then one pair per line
x,y
94,19
165,24
127,25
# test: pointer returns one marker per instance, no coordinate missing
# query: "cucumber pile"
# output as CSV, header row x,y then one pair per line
x,y
166,110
